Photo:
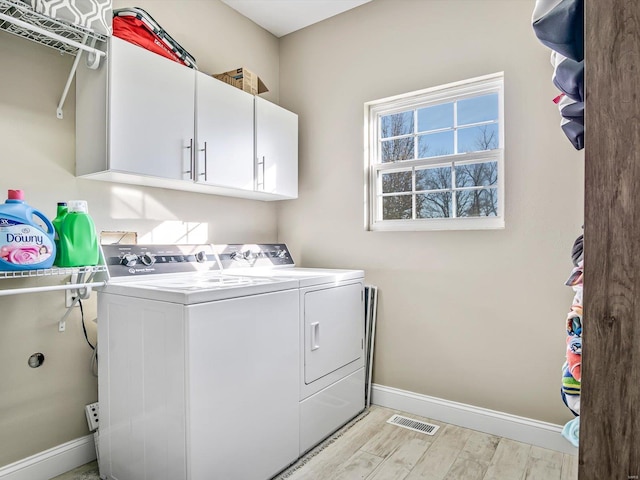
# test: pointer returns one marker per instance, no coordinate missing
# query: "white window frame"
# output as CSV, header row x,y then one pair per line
x,y
373,110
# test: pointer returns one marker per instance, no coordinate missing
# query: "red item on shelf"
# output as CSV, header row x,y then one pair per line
x,y
136,31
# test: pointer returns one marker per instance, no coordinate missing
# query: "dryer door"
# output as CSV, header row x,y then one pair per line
x,y
333,329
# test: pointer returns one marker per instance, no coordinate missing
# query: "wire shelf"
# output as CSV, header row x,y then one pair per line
x,y
22,12
50,272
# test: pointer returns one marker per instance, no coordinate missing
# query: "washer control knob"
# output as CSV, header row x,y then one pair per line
x,y
148,259
281,253
201,256
129,260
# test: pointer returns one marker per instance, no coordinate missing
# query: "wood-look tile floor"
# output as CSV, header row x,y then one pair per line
x,y
375,450
88,471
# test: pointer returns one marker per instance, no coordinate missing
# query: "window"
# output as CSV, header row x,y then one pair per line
x,y
435,158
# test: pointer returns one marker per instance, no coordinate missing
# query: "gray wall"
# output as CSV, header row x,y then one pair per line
x,y
470,316
44,407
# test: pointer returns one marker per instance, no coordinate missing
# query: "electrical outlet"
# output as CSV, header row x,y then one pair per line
x,y
91,411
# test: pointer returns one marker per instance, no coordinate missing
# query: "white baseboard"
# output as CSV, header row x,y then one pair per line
x,y
527,430
52,462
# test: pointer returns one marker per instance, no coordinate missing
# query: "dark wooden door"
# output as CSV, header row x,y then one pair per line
x,y
610,402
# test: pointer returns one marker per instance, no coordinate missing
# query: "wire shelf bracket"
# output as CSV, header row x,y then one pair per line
x,y
83,279
19,19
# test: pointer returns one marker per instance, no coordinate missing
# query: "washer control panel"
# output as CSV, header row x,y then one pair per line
x,y
243,255
135,260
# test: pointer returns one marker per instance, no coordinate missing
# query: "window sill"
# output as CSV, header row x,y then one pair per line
x,y
436,224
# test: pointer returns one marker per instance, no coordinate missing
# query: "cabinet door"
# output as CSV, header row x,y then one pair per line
x,y
151,123
276,149
224,126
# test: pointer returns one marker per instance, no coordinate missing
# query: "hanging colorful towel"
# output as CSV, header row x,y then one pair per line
x,y
574,357
574,324
576,276
570,390
577,250
571,431
576,305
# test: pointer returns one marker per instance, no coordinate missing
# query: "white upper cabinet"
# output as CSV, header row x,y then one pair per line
x,y
151,113
276,149
224,134
146,120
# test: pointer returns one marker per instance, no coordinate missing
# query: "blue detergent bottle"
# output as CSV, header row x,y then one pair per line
x,y
24,243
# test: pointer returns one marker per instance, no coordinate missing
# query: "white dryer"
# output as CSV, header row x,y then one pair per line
x,y
331,310
198,372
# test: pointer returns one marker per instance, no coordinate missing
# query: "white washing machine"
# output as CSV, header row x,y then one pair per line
x,y
198,372
331,311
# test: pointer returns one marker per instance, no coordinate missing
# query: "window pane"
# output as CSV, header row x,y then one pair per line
x,y
477,203
396,124
433,118
474,139
478,109
396,207
433,178
435,144
396,182
433,205
396,150
477,174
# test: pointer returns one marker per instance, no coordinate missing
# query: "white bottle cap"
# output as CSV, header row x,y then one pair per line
x,y
79,206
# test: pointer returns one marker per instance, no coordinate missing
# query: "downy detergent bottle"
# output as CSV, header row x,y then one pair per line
x,y
24,244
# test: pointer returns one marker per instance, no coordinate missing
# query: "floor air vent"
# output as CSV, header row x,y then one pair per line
x,y
412,424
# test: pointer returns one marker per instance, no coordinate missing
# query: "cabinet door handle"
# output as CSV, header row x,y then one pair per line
x,y
205,161
193,160
260,184
315,336
190,148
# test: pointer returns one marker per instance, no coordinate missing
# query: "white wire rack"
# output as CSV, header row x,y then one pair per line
x,y
83,278
20,19
52,272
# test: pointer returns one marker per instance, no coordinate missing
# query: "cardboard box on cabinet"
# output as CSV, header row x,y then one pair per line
x,y
244,80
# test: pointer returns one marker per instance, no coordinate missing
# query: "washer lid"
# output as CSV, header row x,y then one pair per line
x,y
275,260
306,277
197,288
